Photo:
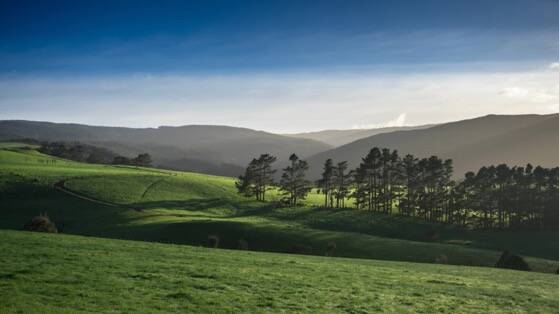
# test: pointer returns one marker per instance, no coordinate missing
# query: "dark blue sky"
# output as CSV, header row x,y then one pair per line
x,y
228,36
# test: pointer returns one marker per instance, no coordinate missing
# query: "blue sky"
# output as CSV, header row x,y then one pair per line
x,y
256,63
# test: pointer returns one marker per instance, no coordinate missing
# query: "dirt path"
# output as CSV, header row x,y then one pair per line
x,y
60,186
149,187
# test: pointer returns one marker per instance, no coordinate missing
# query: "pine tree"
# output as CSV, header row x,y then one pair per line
x,y
325,184
245,184
265,174
410,182
293,184
367,178
341,183
258,177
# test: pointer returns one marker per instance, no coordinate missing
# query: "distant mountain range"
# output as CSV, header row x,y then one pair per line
x,y
223,150
209,149
342,137
488,140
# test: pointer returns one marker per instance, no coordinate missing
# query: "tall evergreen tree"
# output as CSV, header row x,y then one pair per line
x,y
258,177
410,183
367,178
341,183
265,174
293,184
325,184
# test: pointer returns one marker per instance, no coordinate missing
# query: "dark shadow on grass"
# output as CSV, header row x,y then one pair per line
x,y
289,239
235,209
193,204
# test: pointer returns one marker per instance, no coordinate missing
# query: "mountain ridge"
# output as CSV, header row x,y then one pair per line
x,y
341,137
221,150
454,139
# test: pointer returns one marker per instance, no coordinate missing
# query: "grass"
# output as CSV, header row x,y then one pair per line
x,y
15,145
44,273
185,208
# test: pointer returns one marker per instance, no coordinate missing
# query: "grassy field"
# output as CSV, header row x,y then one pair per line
x,y
186,208
67,274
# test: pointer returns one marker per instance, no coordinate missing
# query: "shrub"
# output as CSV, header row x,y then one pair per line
x,y
243,245
557,272
511,261
41,223
330,249
441,259
213,241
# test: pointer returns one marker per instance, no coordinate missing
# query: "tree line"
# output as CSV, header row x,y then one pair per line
x,y
91,154
77,152
494,197
259,178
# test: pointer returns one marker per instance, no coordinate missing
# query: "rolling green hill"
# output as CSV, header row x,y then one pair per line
x,y
187,208
44,273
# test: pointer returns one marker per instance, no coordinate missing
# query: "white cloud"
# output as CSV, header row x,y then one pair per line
x,y
514,92
554,66
534,94
399,121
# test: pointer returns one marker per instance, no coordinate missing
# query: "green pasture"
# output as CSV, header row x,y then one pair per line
x,y
46,273
186,208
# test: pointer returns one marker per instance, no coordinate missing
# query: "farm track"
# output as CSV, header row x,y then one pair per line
x,y
60,186
149,187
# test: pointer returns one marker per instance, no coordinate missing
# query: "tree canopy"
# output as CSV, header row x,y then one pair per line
x,y
494,197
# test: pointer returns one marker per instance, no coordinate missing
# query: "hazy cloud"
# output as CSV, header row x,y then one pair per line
x,y
554,66
536,94
279,102
514,92
399,121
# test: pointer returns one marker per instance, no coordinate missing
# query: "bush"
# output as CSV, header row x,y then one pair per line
x,y
243,245
41,223
441,259
331,249
213,241
511,261
557,272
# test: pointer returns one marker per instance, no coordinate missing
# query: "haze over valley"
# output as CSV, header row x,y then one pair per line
x,y
221,150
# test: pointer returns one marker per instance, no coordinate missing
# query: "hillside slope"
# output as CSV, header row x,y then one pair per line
x,y
85,274
185,208
210,149
341,137
493,139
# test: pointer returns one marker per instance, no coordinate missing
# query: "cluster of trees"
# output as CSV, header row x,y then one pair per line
x,y
385,182
335,183
91,154
77,152
509,197
496,197
259,178
142,160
